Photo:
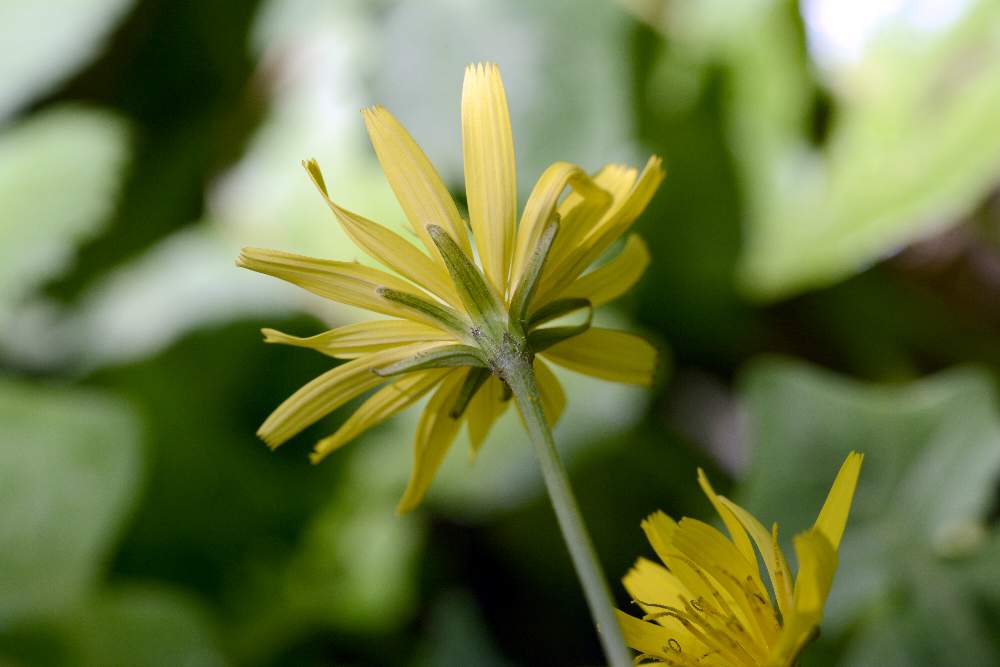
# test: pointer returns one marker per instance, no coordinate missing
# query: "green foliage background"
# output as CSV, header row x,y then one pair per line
x,y
825,277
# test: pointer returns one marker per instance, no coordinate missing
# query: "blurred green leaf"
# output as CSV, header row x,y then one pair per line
x,y
935,624
283,548
567,88
217,498
69,468
355,566
354,571
457,635
42,42
914,145
138,626
180,72
932,458
60,172
980,573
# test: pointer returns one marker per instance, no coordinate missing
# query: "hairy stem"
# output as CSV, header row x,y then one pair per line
x,y
517,371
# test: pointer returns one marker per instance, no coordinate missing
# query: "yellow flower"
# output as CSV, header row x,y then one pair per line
x,y
709,606
454,318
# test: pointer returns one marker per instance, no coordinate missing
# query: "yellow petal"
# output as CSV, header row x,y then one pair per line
x,y
329,391
773,559
833,517
490,179
652,584
643,636
420,191
551,392
485,408
613,279
653,587
608,354
796,632
784,572
542,203
698,575
735,528
704,544
659,529
345,282
676,648
723,566
383,404
615,179
435,433
662,532
579,215
354,340
575,254
817,565
389,248
627,208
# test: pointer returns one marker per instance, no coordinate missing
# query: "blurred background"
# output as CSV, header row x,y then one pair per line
x,y
825,277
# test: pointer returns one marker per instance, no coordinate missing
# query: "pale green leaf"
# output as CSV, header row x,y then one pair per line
x,y
43,42
142,627
914,145
932,459
69,469
60,172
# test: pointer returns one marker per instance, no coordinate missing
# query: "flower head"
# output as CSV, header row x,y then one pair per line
x,y
461,301
710,607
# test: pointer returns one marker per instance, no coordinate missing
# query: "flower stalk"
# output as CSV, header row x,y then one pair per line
x,y
515,368
465,313
509,355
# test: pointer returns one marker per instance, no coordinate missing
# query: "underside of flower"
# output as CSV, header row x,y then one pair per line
x,y
464,312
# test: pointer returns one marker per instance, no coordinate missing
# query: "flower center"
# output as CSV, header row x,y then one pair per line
x,y
719,622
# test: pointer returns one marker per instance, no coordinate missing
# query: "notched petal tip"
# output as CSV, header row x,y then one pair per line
x,y
652,517
481,68
490,170
312,167
250,257
655,162
377,117
268,439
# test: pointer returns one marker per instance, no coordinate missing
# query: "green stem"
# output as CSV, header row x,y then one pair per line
x,y
520,377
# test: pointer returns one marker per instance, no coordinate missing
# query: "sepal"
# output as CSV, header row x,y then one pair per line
x,y
443,315
446,356
480,300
